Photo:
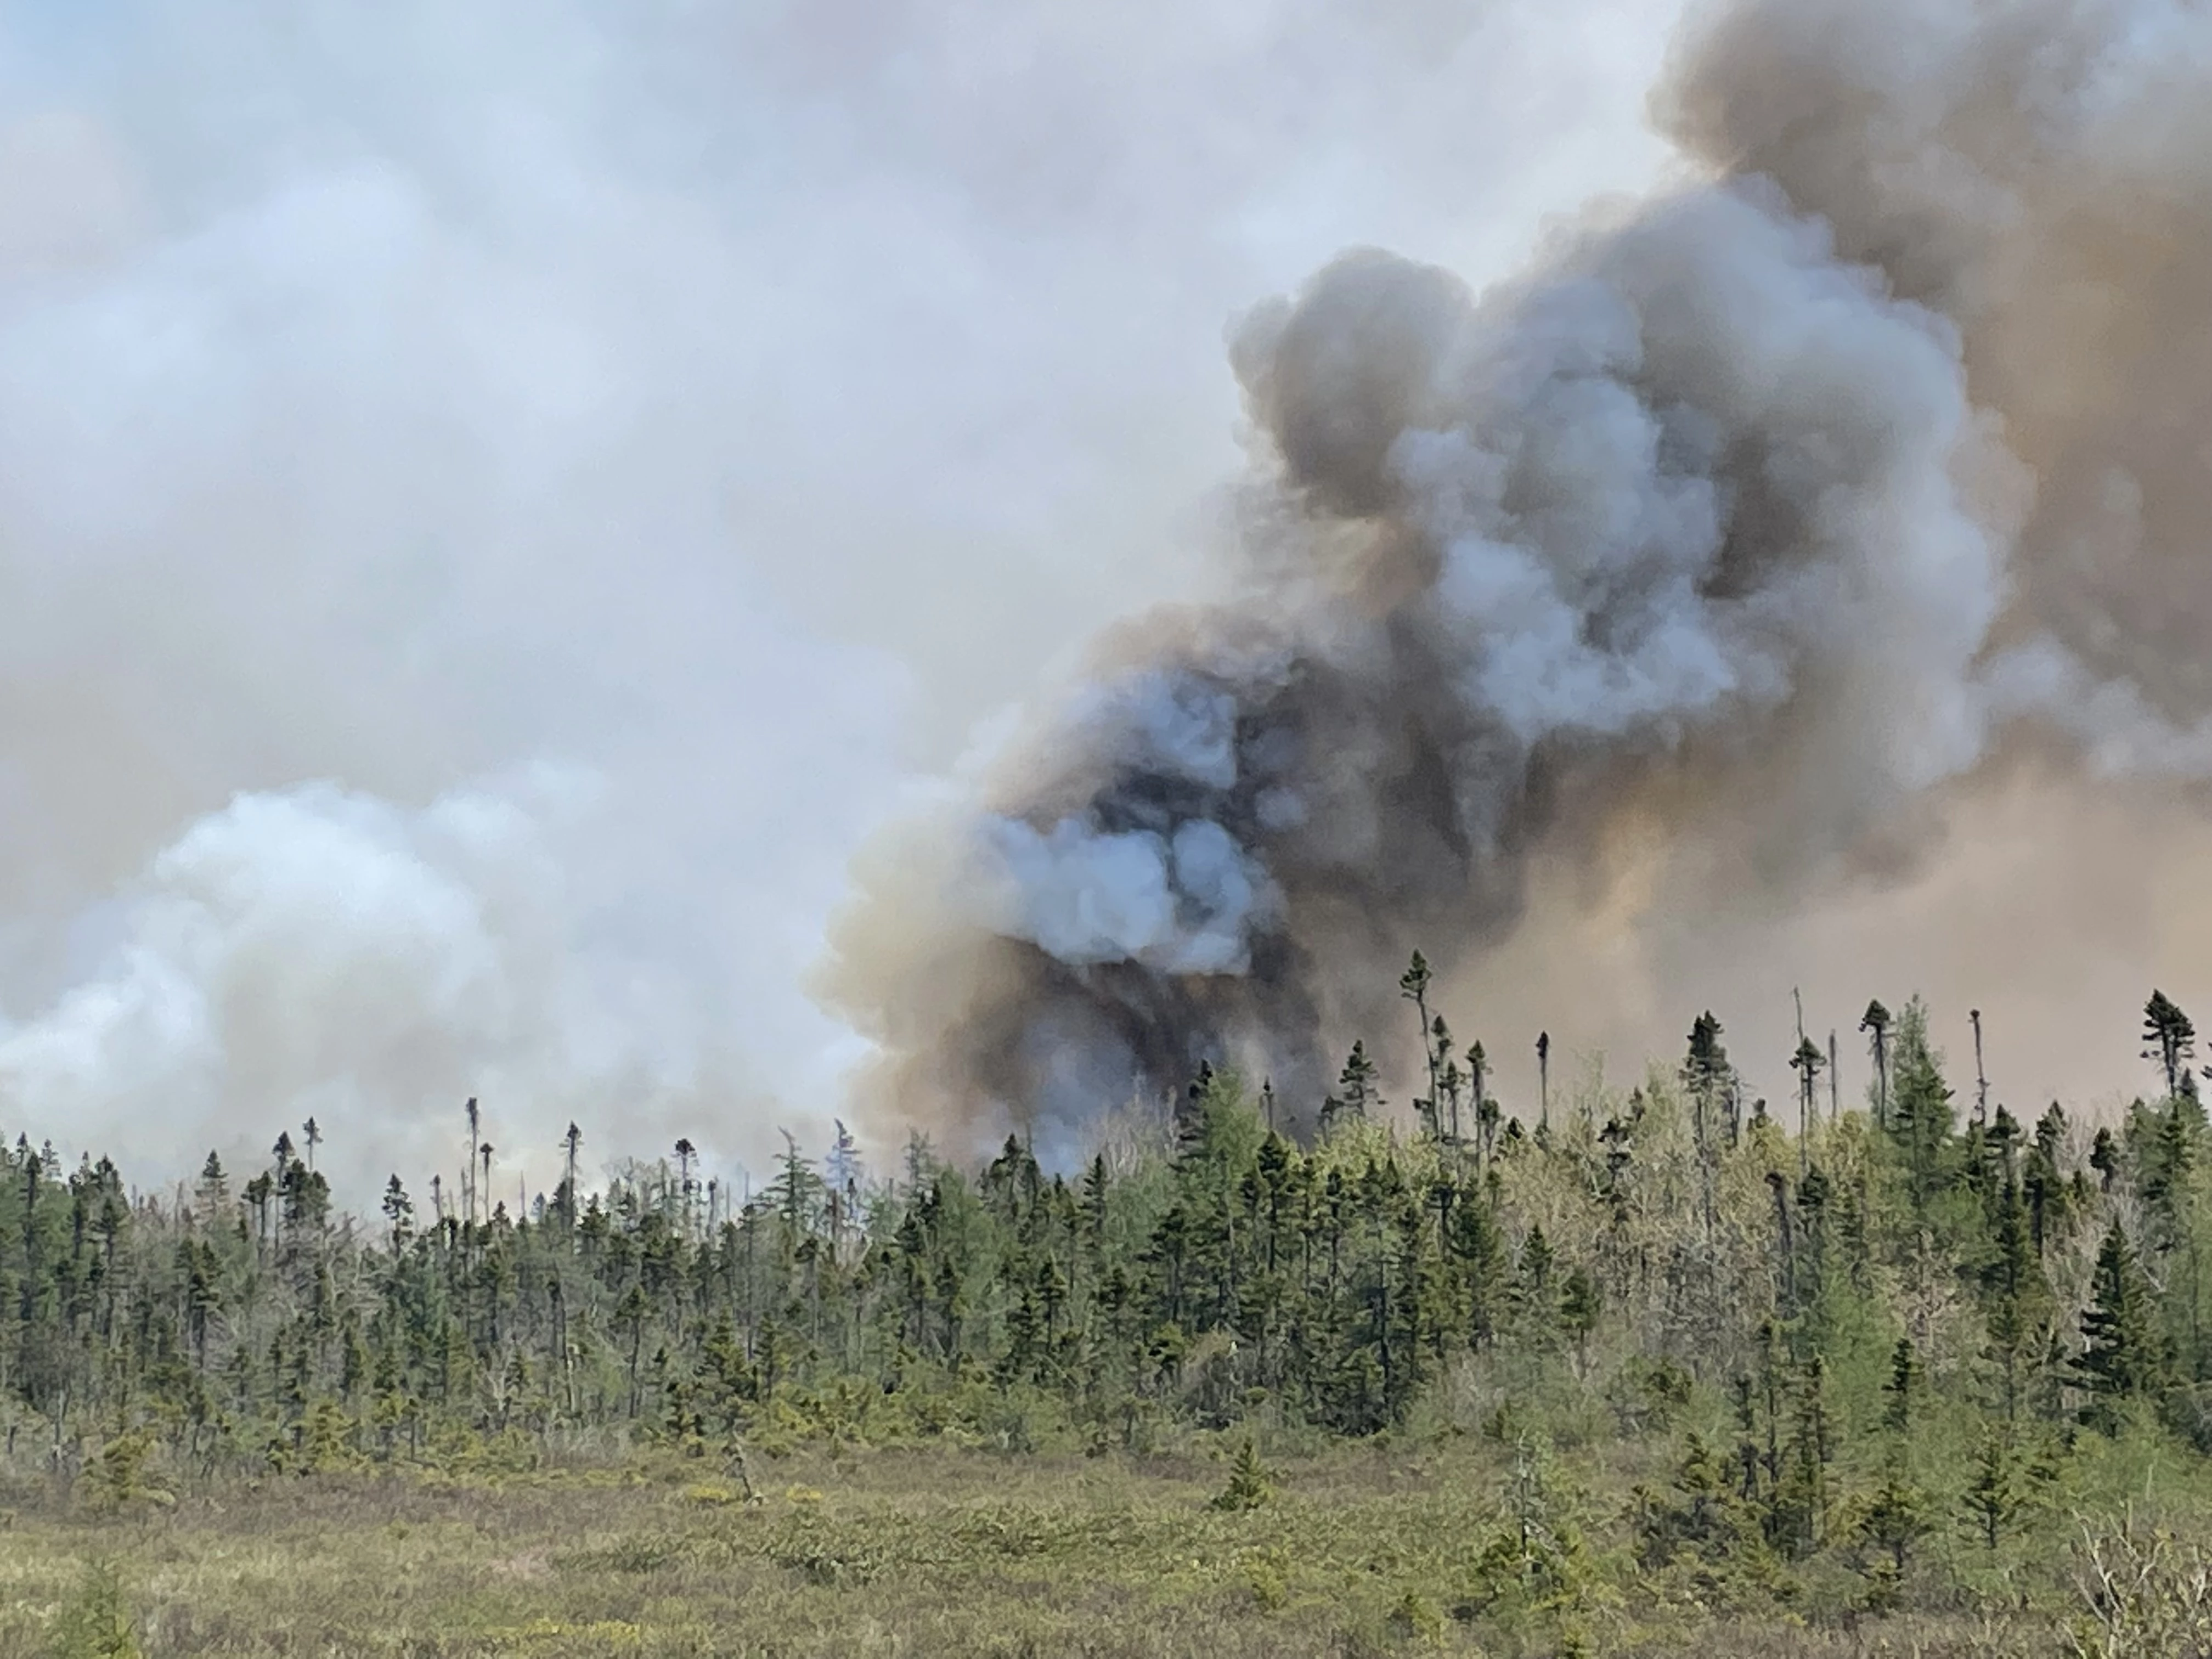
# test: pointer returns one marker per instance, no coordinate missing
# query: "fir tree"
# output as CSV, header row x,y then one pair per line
x,y
2104,1157
1920,1118
1875,1023
1895,1517
1414,985
1356,1096
2122,1359
2172,1038
1990,1498
1580,1306
1249,1486
1903,1387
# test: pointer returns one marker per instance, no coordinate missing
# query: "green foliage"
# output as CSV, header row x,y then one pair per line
x,y
94,1622
2124,1353
1993,1497
1416,1619
1873,1341
1357,1097
1905,1384
1704,1530
2171,1037
1921,1118
1894,1518
1248,1486
118,1478
1265,1580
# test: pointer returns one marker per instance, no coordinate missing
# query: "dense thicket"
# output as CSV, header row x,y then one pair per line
x,y
1828,1290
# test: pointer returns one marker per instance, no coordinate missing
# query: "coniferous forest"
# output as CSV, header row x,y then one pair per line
x,y
1818,1362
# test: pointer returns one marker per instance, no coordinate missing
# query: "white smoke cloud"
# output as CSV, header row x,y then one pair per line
x,y
1185,903
726,408
313,952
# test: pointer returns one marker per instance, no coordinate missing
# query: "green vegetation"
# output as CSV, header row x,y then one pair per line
x,y
1656,1375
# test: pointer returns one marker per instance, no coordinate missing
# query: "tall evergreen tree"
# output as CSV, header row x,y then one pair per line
x,y
1357,1096
2172,1038
1921,1117
2124,1357
1875,1023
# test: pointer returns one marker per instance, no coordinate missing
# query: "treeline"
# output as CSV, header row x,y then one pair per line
x,y
1807,1292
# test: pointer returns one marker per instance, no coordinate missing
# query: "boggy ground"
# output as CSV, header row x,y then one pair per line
x,y
1370,1549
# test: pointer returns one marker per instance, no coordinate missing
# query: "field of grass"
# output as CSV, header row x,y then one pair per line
x,y
1369,1549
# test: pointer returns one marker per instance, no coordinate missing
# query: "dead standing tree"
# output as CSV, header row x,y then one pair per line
x,y
1981,1078
1808,1062
1544,1079
469,1165
569,1142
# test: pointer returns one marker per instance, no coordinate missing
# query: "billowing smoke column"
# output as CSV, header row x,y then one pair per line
x,y
1767,504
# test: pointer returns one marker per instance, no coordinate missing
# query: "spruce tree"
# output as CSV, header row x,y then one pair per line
x,y
1920,1118
2123,1358
1903,1387
2172,1038
1705,1078
2104,1157
1875,1023
1580,1304
1895,1517
1355,1095
1414,985
1248,1486
1801,1492
2016,1297
1990,1497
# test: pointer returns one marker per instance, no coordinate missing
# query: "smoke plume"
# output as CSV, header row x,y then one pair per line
x,y
496,498
1766,527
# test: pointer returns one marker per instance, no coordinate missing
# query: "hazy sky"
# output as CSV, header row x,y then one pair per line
x,y
497,499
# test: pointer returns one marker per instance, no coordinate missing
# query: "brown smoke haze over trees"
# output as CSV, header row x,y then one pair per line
x,y
1793,572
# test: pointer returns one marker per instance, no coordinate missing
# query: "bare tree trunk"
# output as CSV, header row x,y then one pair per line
x,y
1981,1079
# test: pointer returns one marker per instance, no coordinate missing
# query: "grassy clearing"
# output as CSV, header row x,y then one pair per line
x,y
1369,1550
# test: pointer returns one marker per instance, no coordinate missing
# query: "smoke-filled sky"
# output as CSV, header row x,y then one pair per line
x,y
1793,577
525,527
498,501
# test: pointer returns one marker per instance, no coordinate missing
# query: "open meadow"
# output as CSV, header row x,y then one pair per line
x,y
1412,1546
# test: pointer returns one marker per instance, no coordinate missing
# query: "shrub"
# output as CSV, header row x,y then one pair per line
x,y
1248,1486
95,1622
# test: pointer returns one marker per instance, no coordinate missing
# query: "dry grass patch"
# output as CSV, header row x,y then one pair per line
x,y
1363,1550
